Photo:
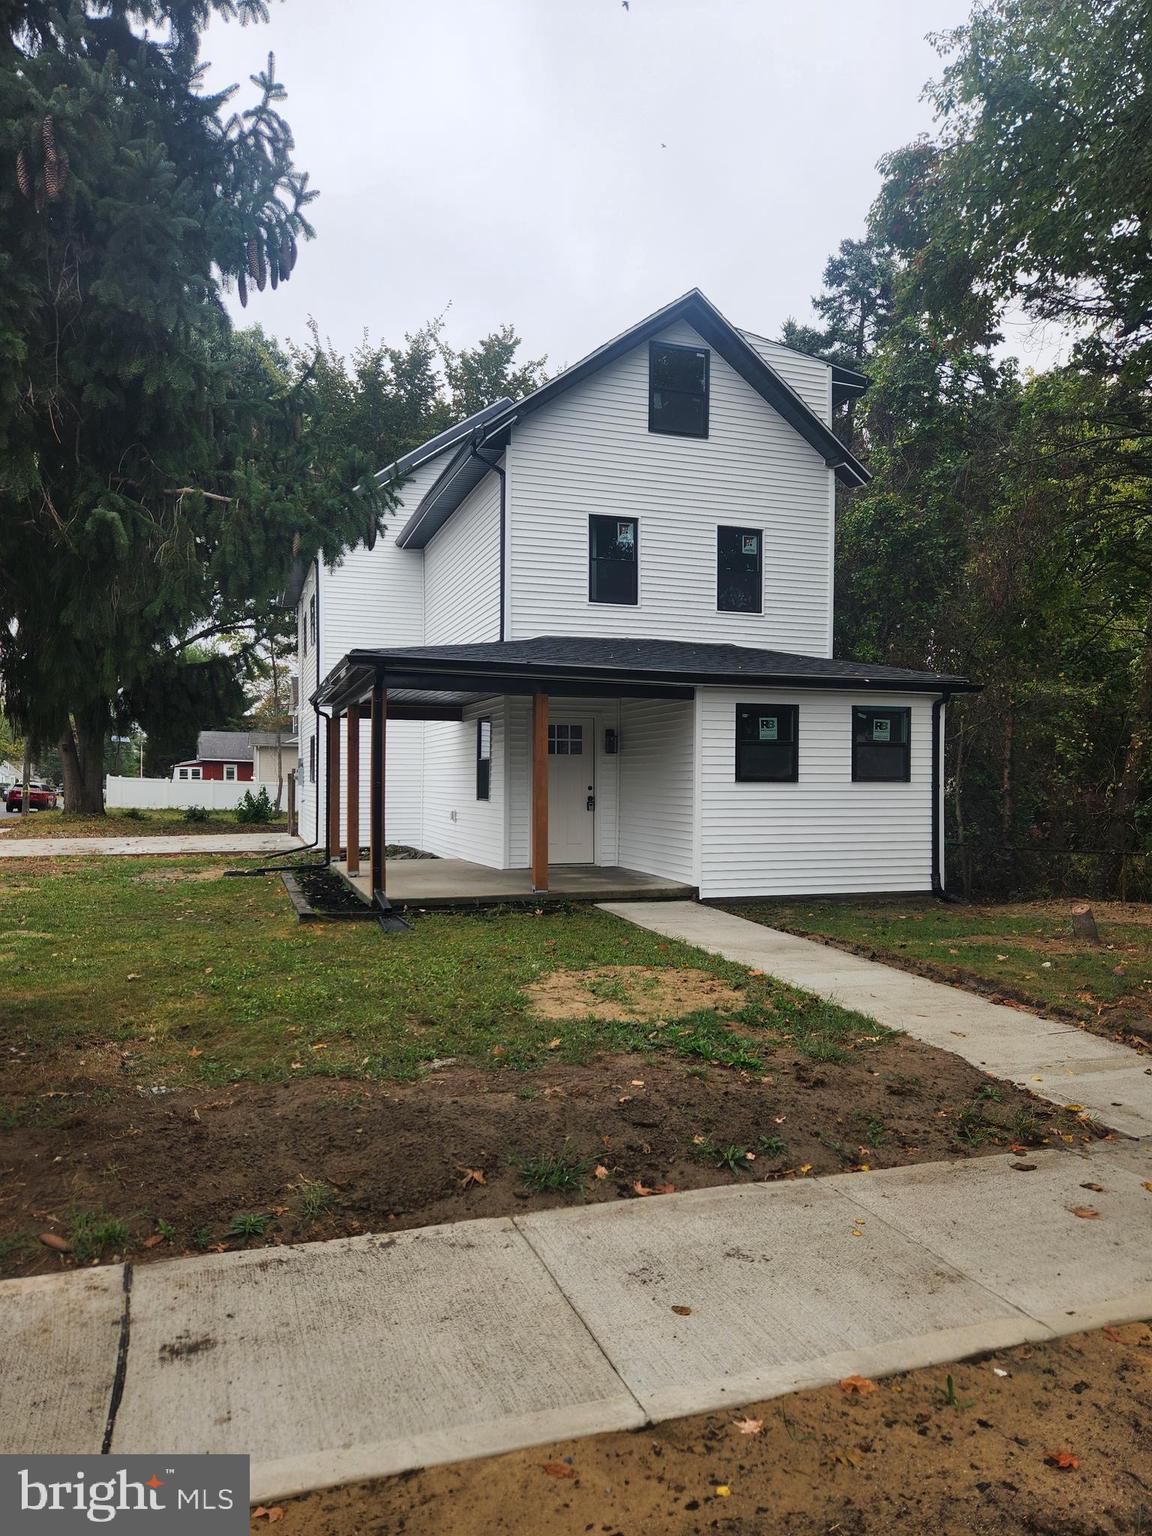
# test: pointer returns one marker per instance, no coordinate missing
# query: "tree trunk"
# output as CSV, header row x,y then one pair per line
x,y
1007,774
279,729
26,774
82,753
1121,831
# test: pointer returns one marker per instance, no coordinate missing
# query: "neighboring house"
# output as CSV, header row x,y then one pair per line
x,y
599,631
237,757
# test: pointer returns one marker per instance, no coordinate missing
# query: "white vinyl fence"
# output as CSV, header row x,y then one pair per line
x,y
169,794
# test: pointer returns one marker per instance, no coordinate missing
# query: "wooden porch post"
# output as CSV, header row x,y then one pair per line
x,y
539,791
332,838
352,834
376,788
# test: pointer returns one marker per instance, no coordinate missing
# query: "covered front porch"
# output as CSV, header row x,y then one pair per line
x,y
459,882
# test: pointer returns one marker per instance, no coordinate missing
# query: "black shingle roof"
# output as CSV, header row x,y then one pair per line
x,y
672,661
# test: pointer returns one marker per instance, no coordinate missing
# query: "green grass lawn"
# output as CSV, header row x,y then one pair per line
x,y
137,823
206,979
1026,948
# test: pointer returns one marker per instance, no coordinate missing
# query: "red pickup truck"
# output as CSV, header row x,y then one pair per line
x,y
40,798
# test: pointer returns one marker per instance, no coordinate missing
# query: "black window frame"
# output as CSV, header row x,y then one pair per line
x,y
312,617
303,630
653,413
594,562
312,758
904,748
758,533
483,761
744,773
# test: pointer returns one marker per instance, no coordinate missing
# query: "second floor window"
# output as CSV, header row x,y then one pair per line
x,y
677,389
739,573
311,759
612,560
312,616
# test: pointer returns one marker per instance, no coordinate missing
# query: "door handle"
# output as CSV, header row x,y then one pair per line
x,y
591,806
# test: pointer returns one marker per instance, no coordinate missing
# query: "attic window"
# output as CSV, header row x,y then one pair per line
x,y
677,389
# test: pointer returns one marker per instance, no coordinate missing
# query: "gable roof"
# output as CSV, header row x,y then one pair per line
x,y
226,746
465,469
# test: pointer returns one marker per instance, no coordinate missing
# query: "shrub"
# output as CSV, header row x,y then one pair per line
x,y
133,813
254,808
196,813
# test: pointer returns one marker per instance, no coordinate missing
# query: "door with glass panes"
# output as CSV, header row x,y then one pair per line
x,y
571,791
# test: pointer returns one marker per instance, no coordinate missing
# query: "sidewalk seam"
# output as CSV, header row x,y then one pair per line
x,y
584,1323
121,1373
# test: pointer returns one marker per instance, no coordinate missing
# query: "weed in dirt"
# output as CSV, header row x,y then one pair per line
x,y
15,1247
165,1230
972,1125
316,1199
1024,1125
94,1234
951,1399
201,1239
874,1132
772,1146
248,1225
734,1159
557,1172
838,1149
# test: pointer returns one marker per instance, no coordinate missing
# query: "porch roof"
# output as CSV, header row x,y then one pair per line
x,y
446,677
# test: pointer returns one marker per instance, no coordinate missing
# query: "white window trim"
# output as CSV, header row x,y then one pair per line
x,y
230,773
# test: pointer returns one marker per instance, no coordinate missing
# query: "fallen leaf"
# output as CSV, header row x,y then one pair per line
x,y
682,1311
857,1386
600,1172
195,1051
558,1469
55,1242
499,1050
321,1045
554,1045
1099,1188
805,1167
1062,1459
1110,1333
274,1514
749,1426
154,1241
1087,1212
1074,1109
133,976
1147,1184
698,1141
640,1188
1024,1167
722,1491
279,1210
637,1082
471,1176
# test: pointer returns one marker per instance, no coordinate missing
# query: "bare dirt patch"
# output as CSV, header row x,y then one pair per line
x,y
900,1461
323,1157
161,877
637,992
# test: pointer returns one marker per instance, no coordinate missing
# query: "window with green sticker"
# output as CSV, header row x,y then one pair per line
x,y
767,743
881,750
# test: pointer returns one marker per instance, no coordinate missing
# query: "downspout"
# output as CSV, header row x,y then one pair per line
x,y
474,449
939,889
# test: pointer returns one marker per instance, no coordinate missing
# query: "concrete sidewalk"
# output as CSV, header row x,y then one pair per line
x,y
368,1356
213,842
1057,1061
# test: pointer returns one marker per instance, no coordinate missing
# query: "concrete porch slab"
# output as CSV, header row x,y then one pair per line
x,y
59,1343
362,1357
458,882
787,1288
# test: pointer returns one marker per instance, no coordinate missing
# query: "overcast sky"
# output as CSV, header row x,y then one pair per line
x,y
571,165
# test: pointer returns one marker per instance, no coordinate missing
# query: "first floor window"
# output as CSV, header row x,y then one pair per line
x,y
613,560
738,570
767,746
182,773
312,759
483,759
230,771
881,752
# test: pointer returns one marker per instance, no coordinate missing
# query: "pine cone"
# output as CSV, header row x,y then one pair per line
x,y
242,288
253,258
48,133
52,176
24,181
261,267
273,265
295,545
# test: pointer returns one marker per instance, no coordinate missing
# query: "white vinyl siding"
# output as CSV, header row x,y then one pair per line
x,y
823,834
656,787
591,452
810,377
372,597
462,571
455,824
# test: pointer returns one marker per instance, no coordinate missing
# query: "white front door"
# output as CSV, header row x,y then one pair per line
x,y
571,791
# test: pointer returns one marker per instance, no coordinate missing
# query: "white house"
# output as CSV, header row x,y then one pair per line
x,y
599,634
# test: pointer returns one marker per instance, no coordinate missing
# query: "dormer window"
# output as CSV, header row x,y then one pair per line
x,y
677,389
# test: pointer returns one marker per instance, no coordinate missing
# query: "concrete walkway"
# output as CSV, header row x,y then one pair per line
x,y
213,842
1059,1062
369,1356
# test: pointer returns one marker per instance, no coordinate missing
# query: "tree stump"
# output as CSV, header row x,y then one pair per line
x,y
1084,925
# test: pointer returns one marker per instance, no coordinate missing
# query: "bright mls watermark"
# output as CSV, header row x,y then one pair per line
x,y
190,1495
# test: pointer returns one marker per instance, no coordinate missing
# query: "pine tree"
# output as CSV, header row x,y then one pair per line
x,y
158,472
